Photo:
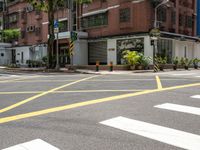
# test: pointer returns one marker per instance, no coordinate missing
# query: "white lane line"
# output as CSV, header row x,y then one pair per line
x,y
196,96
37,144
180,108
163,134
197,76
184,74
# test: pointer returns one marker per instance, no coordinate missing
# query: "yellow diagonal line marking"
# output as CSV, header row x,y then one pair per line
x,y
91,102
42,94
159,84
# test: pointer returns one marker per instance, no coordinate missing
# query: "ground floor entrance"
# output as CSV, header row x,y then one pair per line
x,y
111,49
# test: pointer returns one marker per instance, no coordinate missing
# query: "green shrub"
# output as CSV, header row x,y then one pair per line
x,y
131,57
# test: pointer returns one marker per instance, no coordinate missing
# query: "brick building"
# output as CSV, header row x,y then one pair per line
x,y
33,25
116,25
110,27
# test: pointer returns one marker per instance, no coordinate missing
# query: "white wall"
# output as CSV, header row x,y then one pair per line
x,y
26,53
80,56
148,49
5,56
180,47
112,51
197,50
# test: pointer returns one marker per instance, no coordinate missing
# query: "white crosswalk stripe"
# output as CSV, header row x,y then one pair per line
x,y
196,96
37,144
163,134
180,108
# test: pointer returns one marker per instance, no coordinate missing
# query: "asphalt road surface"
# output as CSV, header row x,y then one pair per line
x,y
100,112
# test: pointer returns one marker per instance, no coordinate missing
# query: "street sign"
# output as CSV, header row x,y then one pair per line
x,y
56,30
56,24
74,36
155,33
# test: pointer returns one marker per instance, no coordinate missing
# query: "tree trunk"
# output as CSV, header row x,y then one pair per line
x,y
51,33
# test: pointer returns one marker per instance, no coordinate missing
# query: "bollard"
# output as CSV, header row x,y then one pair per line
x,y
97,66
111,66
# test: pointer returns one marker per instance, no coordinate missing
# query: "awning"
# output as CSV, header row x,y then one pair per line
x,y
99,11
4,45
181,36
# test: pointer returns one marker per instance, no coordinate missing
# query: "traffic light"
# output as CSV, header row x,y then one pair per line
x,y
152,42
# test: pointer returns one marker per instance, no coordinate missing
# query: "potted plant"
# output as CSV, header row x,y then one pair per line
x,y
195,62
182,61
161,62
140,61
187,63
132,58
175,62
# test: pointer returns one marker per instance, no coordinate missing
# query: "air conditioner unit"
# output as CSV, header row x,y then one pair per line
x,y
29,8
27,29
30,29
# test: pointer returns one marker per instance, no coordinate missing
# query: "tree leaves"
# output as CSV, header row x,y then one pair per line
x,y
10,34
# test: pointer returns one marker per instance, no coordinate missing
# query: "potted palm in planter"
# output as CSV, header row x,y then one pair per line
x,y
195,63
186,63
144,62
175,63
161,62
140,65
132,58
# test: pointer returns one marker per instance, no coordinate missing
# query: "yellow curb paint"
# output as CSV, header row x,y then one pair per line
x,y
42,94
87,103
159,84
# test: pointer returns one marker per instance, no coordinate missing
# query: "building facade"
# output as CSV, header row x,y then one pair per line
x,y
117,25
33,26
105,29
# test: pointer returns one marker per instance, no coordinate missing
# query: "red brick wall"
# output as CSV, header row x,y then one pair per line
x,y
142,17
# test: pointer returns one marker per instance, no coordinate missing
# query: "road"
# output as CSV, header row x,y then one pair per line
x,y
101,112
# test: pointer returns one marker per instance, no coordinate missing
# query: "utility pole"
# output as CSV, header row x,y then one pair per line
x,y
155,48
70,24
57,41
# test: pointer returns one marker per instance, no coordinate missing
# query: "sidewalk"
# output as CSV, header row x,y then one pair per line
x,y
86,71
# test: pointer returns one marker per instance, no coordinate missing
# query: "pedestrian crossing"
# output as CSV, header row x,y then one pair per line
x,y
179,108
159,133
196,96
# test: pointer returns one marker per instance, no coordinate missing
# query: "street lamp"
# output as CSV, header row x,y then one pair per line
x,y
164,2
155,49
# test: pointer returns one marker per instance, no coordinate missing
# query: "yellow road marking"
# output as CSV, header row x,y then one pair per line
x,y
76,91
90,102
159,84
42,94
